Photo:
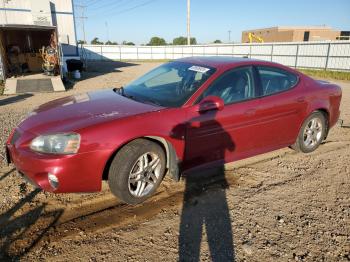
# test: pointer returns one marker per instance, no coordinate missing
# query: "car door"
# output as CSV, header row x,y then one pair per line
x,y
281,107
227,134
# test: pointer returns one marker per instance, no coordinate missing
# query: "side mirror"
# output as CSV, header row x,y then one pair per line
x,y
210,103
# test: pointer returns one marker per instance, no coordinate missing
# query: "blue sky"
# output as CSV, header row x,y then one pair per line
x,y
139,20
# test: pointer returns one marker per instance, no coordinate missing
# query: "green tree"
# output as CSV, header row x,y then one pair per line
x,y
111,43
95,41
156,41
81,42
181,40
127,43
217,41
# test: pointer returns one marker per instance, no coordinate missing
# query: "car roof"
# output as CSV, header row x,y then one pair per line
x,y
222,61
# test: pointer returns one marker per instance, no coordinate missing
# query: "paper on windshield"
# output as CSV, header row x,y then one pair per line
x,y
199,69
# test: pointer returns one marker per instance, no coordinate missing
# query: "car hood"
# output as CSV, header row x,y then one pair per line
x,y
78,111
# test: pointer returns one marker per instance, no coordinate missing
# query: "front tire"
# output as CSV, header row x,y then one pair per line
x,y
136,171
312,133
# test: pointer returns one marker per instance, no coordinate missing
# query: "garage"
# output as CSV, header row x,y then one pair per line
x,y
30,57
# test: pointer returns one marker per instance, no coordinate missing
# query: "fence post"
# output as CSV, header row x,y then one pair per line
x,y
327,58
120,53
296,57
271,52
137,53
250,50
101,53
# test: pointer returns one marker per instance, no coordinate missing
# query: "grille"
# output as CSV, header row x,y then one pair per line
x,y
15,137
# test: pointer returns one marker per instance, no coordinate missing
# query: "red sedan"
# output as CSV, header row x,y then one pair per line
x,y
185,114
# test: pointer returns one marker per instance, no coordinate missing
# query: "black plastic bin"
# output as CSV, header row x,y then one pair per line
x,y
74,64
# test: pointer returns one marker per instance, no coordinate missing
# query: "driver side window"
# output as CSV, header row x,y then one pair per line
x,y
234,86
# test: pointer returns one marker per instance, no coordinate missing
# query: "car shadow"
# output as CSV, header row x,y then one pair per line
x,y
14,99
204,210
20,233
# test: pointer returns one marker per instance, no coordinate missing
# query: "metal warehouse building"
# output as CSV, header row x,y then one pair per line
x,y
27,27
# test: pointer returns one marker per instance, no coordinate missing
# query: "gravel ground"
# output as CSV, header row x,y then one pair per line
x,y
281,206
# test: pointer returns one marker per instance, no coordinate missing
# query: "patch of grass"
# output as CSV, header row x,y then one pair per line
x,y
337,75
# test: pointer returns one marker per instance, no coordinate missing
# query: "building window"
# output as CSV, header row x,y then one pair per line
x,y
306,36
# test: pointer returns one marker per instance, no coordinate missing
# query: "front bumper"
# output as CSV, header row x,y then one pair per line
x,y
80,172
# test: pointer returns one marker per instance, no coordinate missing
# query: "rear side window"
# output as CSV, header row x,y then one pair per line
x,y
275,80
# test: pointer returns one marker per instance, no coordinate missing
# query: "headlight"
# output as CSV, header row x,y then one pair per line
x,y
65,143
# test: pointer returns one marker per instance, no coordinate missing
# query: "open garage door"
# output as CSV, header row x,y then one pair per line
x,y
30,59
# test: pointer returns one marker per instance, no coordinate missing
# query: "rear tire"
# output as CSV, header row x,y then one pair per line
x,y
136,171
312,133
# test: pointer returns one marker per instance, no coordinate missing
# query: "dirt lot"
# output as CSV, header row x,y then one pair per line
x,y
281,206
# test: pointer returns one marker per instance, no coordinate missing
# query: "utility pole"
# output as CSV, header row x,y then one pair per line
x,y
82,18
107,31
229,36
188,23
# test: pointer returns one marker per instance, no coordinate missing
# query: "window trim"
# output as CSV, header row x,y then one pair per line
x,y
276,93
230,70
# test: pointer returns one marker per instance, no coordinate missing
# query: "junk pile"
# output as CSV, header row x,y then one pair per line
x,y
43,60
49,55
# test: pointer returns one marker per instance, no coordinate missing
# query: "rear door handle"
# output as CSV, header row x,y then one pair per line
x,y
250,112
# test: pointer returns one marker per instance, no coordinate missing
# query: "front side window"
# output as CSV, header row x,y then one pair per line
x,y
169,85
234,86
275,80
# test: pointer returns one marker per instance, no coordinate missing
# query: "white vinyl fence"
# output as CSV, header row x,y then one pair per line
x,y
330,55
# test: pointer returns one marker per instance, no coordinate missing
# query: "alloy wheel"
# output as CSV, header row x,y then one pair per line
x,y
144,174
312,133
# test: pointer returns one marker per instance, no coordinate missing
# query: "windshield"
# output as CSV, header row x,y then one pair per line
x,y
169,85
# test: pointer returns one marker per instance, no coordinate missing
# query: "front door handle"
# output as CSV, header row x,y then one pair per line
x,y
250,112
301,99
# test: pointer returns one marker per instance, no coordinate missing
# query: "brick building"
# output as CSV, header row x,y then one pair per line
x,y
296,34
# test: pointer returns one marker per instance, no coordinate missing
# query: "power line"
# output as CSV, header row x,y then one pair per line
x,y
127,9
137,6
112,5
92,2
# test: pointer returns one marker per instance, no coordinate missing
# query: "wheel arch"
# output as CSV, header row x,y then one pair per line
x,y
322,106
325,112
172,167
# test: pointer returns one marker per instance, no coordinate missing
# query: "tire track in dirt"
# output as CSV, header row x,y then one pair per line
x,y
106,213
